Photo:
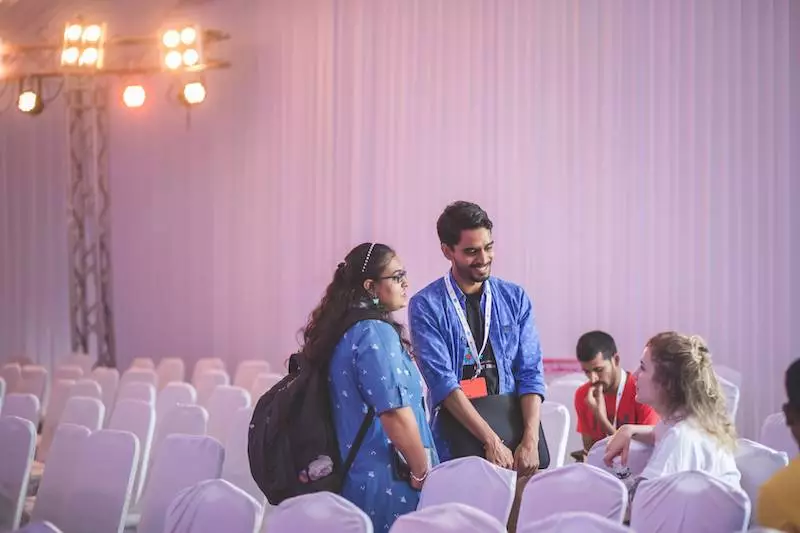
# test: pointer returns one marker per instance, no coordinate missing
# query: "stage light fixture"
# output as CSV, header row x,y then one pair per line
x,y
193,93
30,100
182,48
83,45
134,96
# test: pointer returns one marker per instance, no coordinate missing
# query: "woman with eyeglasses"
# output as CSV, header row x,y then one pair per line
x,y
375,387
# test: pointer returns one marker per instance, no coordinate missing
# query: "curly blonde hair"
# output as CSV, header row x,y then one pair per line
x,y
683,369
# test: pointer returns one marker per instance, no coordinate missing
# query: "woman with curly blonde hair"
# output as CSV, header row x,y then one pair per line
x,y
675,377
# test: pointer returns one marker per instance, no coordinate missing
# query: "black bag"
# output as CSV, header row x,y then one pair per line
x,y
503,413
292,426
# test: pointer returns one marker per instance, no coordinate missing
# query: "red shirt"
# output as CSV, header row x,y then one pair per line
x,y
630,411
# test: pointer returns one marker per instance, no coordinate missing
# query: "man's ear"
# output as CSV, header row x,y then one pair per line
x,y
615,357
447,251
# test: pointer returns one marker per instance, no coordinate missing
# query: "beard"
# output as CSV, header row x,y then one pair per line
x,y
474,274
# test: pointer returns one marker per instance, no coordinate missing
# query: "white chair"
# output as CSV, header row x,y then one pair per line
x,y
248,371
262,384
223,403
81,360
556,425
137,390
173,394
204,365
757,464
139,418
575,487
87,388
207,382
100,495
25,406
2,392
689,501
35,381
731,392
12,375
73,372
237,463
143,362
575,522
39,527
180,420
58,478
318,511
86,412
729,374
578,378
448,518
170,369
58,400
480,484
638,456
108,379
179,463
17,440
212,506
563,392
775,434
139,375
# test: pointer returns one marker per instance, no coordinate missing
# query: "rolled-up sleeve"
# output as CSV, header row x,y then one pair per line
x,y
528,364
380,378
431,350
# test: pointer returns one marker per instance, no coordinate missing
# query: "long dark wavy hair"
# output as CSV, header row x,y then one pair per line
x,y
344,294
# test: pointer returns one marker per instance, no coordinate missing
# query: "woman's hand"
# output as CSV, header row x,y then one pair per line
x,y
619,445
416,481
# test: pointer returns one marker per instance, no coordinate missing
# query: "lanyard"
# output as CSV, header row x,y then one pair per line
x,y
487,319
620,390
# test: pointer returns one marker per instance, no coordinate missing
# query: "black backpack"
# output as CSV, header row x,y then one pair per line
x,y
292,426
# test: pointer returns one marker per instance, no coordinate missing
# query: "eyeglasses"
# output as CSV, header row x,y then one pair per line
x,y
398,278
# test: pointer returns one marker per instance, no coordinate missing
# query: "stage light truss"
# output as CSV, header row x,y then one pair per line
x,y
82,61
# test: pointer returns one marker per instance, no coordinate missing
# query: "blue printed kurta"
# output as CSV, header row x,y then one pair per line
x,y
370,367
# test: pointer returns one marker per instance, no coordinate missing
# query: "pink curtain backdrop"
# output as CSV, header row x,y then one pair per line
x,y
639,159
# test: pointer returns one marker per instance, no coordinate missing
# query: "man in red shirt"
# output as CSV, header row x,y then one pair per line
x,y
608,399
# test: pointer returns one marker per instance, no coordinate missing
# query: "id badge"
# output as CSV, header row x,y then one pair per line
x,y
475,388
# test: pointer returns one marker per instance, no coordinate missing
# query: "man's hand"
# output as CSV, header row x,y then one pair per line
x,y
526,457
596,400
498,453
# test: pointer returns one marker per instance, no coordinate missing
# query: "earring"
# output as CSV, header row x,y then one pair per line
x,y
376,301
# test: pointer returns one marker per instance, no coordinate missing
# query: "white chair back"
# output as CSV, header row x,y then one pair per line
x,y
88,388
318,511
638,456
575,522
12,375
137,390
563,392
23,406
207,382
139,418
86,412
81,360
578,378
180,462
2,392
237,464
481,485
100,495
180,420
39,527
262,384
574,487
448,518
73,372
776,434
757,463
693,499
108,379
143,362
556,425
139,375
731,392
204,365
212,506
35,381
223,403
58,400
173,394
248,371
170,369
17,440
58,478
729,374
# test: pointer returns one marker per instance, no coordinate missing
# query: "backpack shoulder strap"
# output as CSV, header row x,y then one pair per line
x,y
362,433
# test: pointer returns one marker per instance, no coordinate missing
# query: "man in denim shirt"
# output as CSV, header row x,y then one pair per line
x,y
449,321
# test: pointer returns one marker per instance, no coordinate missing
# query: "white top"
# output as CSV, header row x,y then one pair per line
x,y
685,446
